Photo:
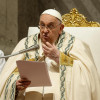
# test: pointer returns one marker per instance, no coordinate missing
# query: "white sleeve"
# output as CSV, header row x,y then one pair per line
x,y
85,77
2,61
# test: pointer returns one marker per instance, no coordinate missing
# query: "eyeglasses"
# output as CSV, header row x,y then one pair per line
x,y
49,27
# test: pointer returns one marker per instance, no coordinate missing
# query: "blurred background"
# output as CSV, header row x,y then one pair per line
x,y
17,15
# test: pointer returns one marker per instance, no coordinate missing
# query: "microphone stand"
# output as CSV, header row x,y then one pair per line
x,y
33,47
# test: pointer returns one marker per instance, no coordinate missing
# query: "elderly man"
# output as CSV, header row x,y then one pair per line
x,y
71,68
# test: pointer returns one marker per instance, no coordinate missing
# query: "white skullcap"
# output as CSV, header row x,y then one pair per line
x,y
54,13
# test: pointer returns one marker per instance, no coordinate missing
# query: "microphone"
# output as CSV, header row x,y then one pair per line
x,y
33,47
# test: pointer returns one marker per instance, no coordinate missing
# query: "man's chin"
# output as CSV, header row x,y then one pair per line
x,y
44,41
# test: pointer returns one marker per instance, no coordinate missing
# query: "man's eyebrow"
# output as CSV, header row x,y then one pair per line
x,y
41,22
52,23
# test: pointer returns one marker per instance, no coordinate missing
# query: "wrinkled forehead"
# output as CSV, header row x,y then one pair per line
x,y
46,18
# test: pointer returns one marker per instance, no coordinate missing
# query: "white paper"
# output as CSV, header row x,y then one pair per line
x,y
36,72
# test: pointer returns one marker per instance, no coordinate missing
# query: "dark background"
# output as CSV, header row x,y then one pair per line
x,y
17,15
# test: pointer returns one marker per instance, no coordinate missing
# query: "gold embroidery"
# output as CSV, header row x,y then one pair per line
x,y
65,60
16,71
32,59
40,58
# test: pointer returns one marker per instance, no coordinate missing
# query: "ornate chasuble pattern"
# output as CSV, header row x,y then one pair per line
x,y
35,41
63,71
61,67
10,86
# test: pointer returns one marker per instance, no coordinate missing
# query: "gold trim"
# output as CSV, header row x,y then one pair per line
x,y
75,19
65,60
32,59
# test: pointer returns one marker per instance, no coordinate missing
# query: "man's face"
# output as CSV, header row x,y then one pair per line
x,y
50,28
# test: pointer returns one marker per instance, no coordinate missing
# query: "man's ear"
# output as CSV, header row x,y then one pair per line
x,y
61,28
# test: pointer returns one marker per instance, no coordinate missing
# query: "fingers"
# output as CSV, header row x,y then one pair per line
x,y
46,50
22,84
45,47
51,51
22,80
49,45
21,87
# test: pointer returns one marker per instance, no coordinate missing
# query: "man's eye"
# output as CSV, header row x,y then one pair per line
x,y
42,25
51,26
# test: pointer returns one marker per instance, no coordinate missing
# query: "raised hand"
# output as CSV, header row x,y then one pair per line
x,y
51,51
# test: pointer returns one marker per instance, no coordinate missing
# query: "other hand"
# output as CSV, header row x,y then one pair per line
x,y
22,84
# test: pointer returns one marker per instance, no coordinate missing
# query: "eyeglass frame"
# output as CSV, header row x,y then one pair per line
x,y
48,28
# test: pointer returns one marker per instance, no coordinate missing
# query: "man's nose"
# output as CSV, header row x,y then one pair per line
x,y
46,30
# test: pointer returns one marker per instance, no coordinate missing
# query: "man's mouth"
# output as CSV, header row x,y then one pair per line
x,y
45,36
